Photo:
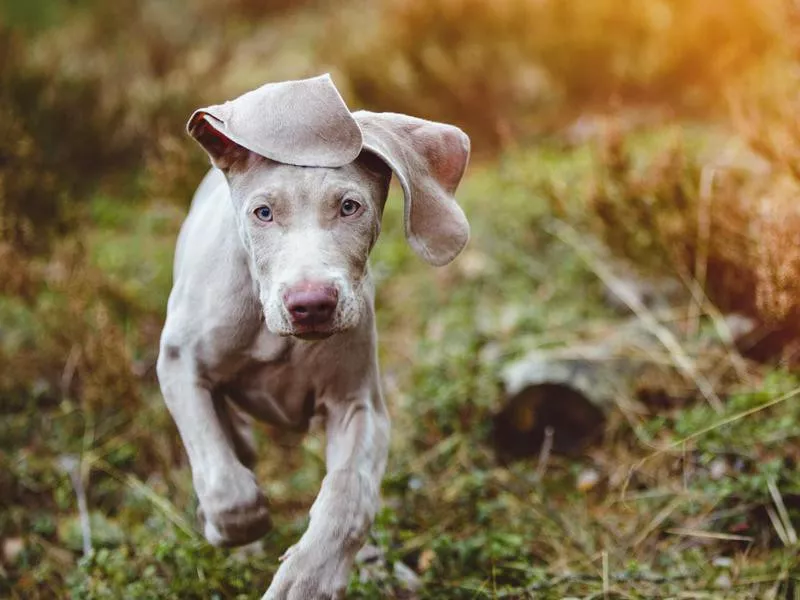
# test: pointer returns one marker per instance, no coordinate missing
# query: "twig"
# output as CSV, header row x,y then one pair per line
x,y
544,453
69,369
72,466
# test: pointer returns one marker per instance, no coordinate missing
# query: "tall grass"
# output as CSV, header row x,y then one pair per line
x,y
58,143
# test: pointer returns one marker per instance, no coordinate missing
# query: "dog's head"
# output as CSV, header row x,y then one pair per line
x,y
309,180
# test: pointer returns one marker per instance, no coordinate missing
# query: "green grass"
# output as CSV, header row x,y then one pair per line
x,y
665,518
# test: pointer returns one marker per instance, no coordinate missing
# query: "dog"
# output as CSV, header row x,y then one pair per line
x,y
272,307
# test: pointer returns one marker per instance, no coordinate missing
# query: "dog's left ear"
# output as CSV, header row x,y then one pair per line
x,y
222,151
429,160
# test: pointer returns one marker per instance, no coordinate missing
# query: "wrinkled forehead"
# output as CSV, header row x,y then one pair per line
x,y
262,176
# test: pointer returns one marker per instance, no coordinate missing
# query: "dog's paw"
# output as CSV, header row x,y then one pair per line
x,y
309,574
233,511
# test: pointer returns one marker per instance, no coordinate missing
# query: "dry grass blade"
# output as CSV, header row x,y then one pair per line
x,y
683,362
703,235
163,504
721,328
710,535
656,522
789,537
778,526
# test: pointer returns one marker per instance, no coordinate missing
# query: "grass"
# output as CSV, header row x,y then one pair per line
x,y
581,137
681,505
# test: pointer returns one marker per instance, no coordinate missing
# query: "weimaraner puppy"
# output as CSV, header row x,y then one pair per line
x,y
272,308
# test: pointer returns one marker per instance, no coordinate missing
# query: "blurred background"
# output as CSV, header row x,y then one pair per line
x,y
597,398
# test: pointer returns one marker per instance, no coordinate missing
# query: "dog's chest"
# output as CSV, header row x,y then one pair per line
x,y
277,381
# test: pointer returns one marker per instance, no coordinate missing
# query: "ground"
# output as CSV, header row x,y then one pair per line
x,y
664,518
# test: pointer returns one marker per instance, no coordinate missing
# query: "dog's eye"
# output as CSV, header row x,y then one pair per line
x,y
349,208
263,213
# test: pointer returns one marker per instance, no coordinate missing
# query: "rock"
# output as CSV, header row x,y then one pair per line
x,y
718,469
587,480
723,582
567,390
570,390
426,558
12,548
723,562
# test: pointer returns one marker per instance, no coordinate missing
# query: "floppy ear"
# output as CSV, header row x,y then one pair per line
x,y
429,160
221,149
303,122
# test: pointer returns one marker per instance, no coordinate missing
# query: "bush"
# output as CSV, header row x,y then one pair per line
x,y
56,143
502,69
731,228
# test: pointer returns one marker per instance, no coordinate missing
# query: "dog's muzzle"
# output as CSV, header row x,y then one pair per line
x,y
311,307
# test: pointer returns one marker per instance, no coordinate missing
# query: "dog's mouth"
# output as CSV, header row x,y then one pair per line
x,y
307,332
312,335
313,332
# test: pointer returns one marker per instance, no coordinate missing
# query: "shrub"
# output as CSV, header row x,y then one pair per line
x,y
732,229
56,143
502,69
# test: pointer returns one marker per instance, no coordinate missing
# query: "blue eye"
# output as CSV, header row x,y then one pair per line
x,y
349,208
264,213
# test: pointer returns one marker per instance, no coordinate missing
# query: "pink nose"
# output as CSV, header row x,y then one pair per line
x,y
311,304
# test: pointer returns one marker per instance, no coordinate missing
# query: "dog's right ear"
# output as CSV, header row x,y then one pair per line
x,y
223,151
303,122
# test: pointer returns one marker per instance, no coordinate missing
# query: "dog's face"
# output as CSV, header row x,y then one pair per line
x,y
308,232
309,229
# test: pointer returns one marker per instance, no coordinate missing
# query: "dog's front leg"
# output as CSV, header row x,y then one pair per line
x,y
233,509
318,566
